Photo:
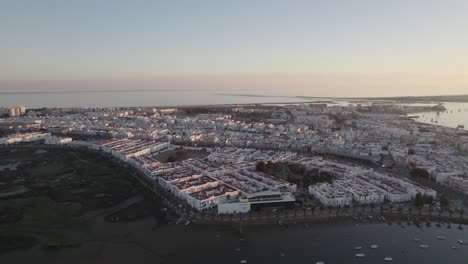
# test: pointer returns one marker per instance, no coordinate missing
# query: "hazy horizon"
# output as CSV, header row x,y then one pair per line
x,y
320,48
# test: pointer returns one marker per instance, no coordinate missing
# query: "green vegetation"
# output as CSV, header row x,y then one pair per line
x,y
421,200
294,172
40,218
444,201
63,185
419,173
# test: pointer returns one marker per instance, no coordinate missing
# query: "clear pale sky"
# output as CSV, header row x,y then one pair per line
x,y
348,47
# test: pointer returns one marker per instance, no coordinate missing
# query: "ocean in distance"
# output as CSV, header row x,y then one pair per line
x,y
131,98
456,114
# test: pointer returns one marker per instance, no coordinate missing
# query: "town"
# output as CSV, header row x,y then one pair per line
x,y
247,157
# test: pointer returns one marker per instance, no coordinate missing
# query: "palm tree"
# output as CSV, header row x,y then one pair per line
x,y
346,208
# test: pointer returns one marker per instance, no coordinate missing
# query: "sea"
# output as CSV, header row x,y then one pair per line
x,y
136,97
455,115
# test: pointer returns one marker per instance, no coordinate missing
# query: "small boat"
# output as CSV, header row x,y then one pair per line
x,y
237,249
388,259
417,239
374,246
461,242
441,237
358,248
423,246
454,247
243,261
282,254
360,255
320,262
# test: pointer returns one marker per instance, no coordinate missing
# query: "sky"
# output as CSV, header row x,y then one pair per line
x,y
333,48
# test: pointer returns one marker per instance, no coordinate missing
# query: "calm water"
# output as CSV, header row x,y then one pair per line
x,y
143,98
332,243
456,114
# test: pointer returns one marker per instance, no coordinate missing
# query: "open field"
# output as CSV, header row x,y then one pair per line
x,y
45,198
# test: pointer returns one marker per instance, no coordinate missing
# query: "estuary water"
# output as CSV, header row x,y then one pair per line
x,y
455,115
328,242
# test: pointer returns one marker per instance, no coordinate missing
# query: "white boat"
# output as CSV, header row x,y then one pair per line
x,y
320,262
417,239
454,247
358,248
461,242
423,246
360,255
243,261
388,259
374,246
441,237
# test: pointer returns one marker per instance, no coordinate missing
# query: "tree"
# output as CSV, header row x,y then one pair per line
x,y
261,166
306,181
292,180
444,201
297,168
171,158
419,201
428,199
419,173
270,167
